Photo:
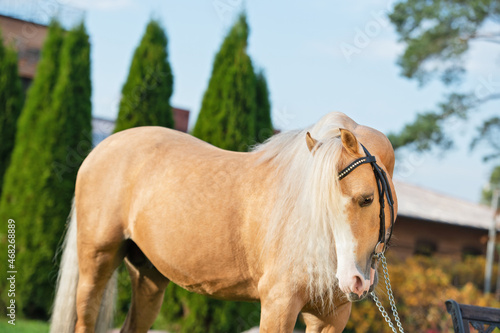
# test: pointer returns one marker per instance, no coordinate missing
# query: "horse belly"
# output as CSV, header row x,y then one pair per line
x,y
196,243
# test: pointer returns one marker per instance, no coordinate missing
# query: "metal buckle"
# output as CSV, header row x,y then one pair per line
x,y
379,249
377,254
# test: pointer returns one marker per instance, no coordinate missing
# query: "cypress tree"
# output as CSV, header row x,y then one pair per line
x,y
227,117
264,125
23,179
47,162
68,136
11,101
146,93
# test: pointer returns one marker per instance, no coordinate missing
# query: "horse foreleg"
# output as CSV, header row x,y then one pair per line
x,y
332,323
148,289
96,266
279,309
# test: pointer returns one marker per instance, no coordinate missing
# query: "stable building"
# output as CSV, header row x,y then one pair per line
x,y
430,223
27,38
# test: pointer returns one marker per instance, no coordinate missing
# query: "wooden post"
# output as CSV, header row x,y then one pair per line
x,y
490,251
497,293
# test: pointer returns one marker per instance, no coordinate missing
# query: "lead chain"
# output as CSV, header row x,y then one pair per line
x,y
391,299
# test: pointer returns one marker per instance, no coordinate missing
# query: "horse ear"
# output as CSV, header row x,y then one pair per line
x,y
312,143
349,141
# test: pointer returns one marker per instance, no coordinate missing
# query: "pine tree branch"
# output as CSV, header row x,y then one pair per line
x,y
488,98
492,37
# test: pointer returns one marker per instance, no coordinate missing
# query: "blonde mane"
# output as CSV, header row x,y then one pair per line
x,y
307,208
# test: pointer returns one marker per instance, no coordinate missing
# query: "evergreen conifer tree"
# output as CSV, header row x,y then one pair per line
x,y
146,93
227,117
23,178
11,102
56,124
263,123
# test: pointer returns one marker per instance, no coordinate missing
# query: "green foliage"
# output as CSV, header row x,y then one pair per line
x,y
438,33
235,107
437,36
421,285
488,134
263,122
146,93
24,326
487,193
185,312
11,102
429,129
124,295
21,202
54,136
425,131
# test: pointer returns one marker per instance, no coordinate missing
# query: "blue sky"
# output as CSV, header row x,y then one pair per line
x,y
318,56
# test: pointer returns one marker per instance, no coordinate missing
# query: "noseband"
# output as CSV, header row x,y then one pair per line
x,y
384,190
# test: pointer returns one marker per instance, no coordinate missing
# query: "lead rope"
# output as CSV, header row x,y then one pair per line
x,y
391,299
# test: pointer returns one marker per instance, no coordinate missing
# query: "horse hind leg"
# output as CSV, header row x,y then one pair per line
x,y
148,289
96,266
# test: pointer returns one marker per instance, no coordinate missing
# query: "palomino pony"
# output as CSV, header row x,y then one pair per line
x,y
277,225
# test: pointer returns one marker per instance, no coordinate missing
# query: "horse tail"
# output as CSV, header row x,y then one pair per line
x,y
107,310
64,312
63,318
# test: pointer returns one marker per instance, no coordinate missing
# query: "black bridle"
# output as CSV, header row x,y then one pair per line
x,y
384,190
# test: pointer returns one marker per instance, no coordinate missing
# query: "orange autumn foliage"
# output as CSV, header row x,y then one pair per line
x,y
421,285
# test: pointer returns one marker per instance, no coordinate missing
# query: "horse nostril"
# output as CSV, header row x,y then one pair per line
x,y
358,285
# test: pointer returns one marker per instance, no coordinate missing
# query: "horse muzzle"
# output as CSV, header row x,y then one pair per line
x,y
358,288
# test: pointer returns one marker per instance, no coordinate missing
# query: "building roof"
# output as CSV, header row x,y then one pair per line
x,y
417,202
181,119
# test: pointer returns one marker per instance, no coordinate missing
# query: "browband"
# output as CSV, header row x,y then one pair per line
x,y
348,169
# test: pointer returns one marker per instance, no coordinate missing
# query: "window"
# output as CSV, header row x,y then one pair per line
x,y
471,251
425,248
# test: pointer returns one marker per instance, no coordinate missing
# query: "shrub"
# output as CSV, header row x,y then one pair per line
x,y
421,285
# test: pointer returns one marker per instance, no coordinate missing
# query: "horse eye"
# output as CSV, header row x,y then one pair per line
x,y
366,202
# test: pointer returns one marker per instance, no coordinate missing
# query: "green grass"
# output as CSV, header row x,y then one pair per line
x,y
24,326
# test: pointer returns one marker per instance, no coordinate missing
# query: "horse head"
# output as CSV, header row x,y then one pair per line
x,y
363,228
